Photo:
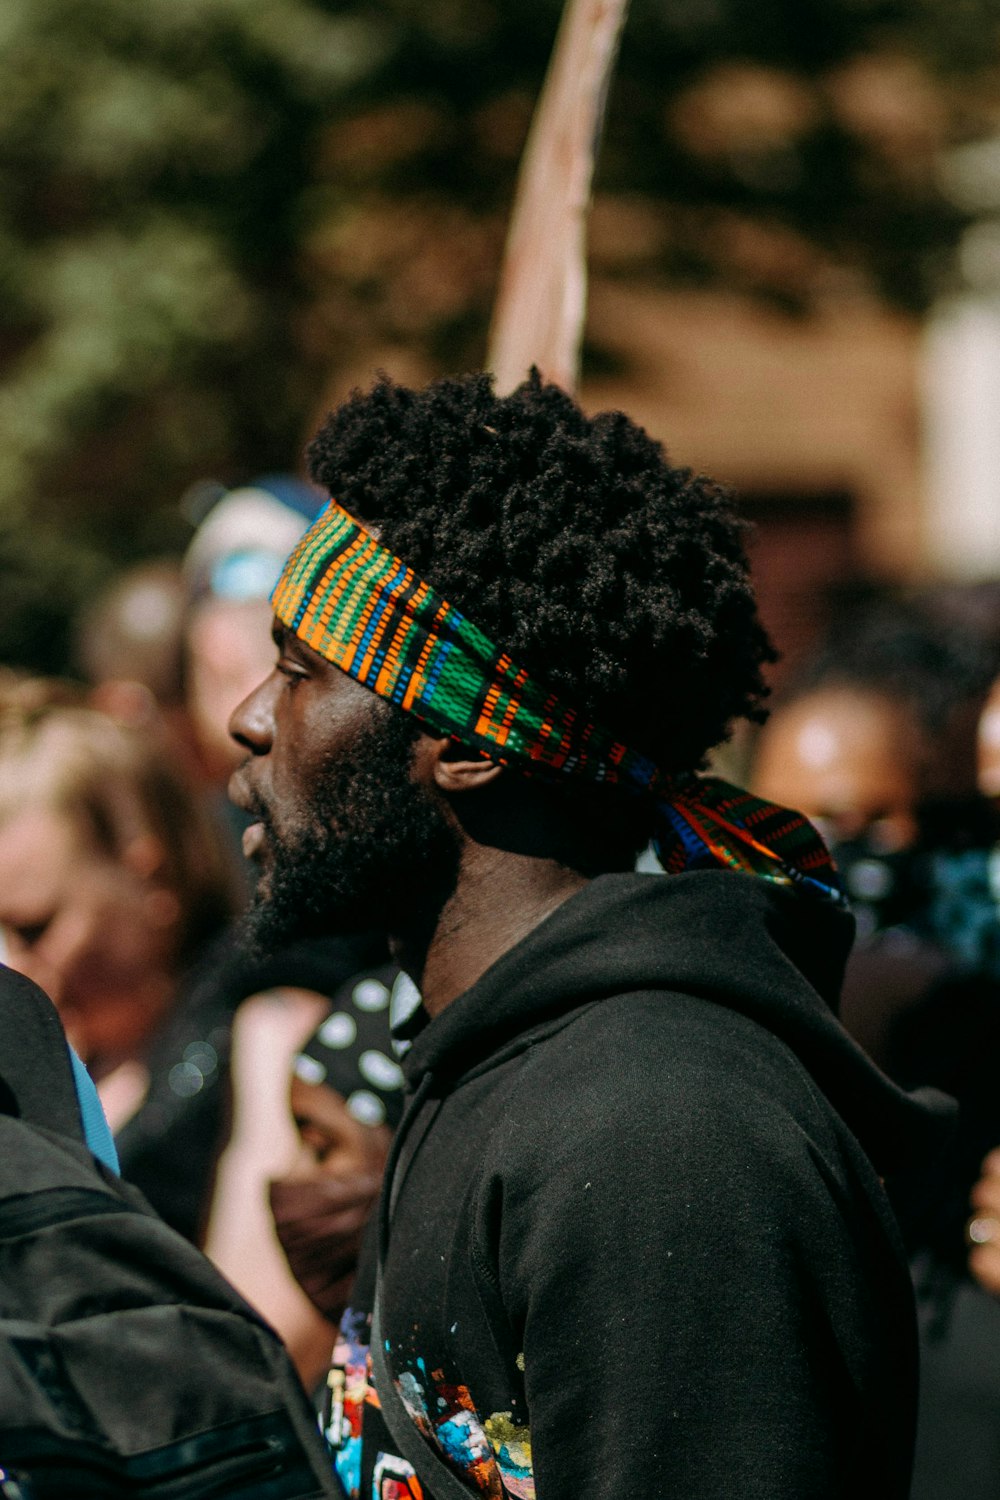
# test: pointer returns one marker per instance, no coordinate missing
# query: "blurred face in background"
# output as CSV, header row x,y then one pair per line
x,y
229,652
333,1141
321,1207
98,933
111,873
850,760
232,564
988,745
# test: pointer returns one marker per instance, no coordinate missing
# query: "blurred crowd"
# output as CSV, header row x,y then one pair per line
x,y
123,882
252,1097
889,739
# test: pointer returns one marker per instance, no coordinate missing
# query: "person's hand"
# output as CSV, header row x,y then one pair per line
x,y
983,1228
320,1221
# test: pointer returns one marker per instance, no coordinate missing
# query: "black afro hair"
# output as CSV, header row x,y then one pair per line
x,y
619,581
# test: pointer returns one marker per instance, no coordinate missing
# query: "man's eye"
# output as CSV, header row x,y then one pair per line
x,y
289,671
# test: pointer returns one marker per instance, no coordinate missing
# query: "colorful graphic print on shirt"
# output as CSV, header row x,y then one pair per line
x,y
349,1390
493,1454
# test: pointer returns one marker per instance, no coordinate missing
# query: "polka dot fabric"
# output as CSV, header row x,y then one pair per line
x,y
352,1053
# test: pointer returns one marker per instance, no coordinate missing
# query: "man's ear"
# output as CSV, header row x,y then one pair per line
x,y
453,768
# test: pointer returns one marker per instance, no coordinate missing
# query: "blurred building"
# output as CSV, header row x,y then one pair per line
x,y
815,421
760,304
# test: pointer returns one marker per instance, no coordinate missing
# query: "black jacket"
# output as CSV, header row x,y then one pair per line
x,y
638,1245
36,1078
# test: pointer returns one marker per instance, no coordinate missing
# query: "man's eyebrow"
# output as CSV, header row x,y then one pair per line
x,y
288,643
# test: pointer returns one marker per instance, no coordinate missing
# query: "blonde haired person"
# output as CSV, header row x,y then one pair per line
x,y
113,884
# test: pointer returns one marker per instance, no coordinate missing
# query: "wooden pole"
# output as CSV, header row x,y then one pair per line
x,y
542,297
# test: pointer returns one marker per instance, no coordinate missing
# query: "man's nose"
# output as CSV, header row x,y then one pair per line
x,y
251,724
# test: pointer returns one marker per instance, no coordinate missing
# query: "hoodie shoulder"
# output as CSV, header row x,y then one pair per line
x,y
764,958
665,1077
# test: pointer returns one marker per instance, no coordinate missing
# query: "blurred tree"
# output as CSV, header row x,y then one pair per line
x,y
209,207
153,159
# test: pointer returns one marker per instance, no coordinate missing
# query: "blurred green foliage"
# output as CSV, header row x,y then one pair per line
x,y
210,207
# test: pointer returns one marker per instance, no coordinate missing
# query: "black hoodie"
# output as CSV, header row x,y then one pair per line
x,y
638,1245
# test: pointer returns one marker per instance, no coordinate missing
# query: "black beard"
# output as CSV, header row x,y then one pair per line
x,y
373,852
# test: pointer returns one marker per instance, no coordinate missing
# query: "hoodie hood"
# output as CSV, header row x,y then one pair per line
x,y
765,951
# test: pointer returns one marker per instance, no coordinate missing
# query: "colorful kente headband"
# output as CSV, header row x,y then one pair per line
x,y
357,605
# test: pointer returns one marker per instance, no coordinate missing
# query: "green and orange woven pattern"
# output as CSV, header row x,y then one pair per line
x,y
360,607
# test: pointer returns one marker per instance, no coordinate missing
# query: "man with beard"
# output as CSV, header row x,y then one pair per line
x,y
632,1239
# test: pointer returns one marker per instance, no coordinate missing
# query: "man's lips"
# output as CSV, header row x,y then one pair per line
x,y
253,840
239,791
243,796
